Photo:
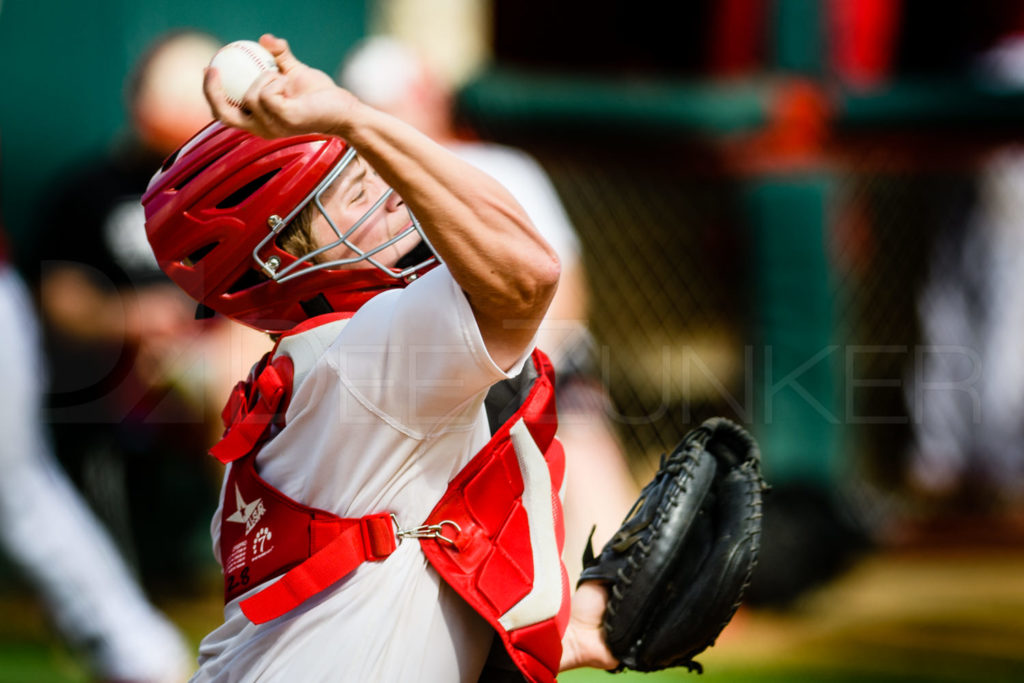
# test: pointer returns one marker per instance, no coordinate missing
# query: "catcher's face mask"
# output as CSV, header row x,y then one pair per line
x,y
353,219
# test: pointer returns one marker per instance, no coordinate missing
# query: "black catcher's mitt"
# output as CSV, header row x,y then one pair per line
x,y
677,568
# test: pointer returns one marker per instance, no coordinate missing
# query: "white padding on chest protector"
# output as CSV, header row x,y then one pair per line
x,y
545,598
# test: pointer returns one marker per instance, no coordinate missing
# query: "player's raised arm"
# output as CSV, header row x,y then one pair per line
x,y
508,272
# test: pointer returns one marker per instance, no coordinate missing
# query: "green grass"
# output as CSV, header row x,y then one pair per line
x,y
38,662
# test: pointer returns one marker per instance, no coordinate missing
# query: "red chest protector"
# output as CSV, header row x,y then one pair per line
x,y
495,536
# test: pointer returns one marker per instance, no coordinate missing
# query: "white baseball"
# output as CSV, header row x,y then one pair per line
x,y
240,63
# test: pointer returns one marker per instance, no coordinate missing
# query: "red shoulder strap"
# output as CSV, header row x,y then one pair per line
x,y
260,401
254,405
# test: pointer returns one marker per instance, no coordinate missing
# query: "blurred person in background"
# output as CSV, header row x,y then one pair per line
x,y
131,373
51,534
967,396
394,77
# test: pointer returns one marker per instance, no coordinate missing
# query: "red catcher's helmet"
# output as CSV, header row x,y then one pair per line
x,y
216,207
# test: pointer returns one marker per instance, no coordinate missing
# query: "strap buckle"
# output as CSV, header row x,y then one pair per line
x,y
425,530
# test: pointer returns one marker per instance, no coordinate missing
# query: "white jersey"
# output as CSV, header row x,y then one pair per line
x,y
387,407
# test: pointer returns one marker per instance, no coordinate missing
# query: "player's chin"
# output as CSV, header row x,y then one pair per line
x,y
405,250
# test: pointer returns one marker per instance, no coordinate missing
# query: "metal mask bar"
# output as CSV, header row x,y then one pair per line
x,y
304,264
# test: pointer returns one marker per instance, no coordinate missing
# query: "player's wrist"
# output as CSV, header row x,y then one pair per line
x,y
584,644
349,116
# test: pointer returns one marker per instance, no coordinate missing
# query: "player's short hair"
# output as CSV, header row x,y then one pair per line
x,y
297,236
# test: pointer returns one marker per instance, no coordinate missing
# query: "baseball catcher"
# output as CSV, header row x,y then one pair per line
x,y
357,513
677,568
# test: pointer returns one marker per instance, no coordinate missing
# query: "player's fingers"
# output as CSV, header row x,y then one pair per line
x,y
251,101
271,95
278,47
212,89
274,109
222,109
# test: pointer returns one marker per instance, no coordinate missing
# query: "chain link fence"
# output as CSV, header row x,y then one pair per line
x,y
667,251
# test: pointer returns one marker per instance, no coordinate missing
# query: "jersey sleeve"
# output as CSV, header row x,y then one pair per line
x,y
416,357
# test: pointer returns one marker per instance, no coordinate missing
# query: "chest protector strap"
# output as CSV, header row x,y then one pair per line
x,y
495,536
312,548
253,407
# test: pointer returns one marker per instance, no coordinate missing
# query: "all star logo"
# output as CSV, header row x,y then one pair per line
x,y
247,513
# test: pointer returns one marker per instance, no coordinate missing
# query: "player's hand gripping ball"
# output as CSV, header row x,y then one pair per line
x,y
239,64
